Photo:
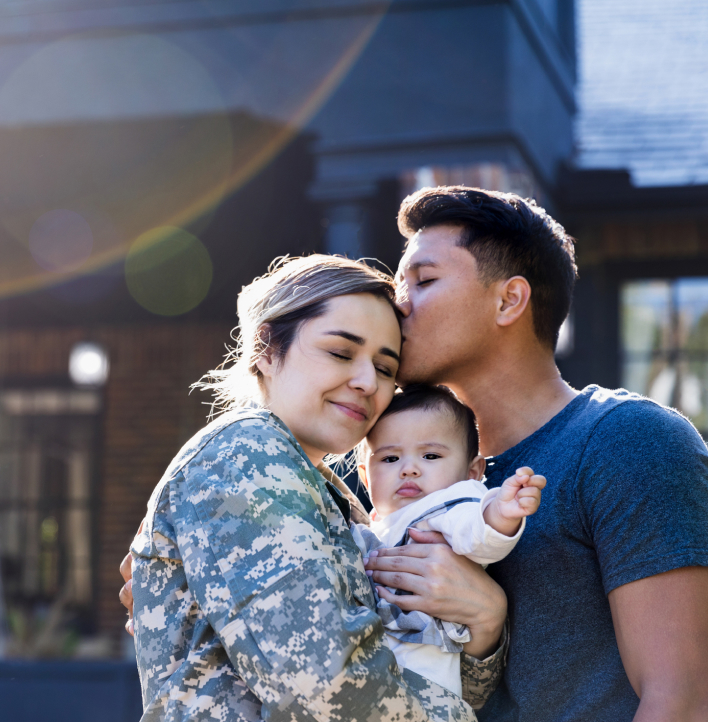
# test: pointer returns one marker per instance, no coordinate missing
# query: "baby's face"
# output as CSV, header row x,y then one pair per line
x,y
412,454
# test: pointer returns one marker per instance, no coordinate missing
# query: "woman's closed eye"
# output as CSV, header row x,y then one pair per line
x,y
341,356
425,281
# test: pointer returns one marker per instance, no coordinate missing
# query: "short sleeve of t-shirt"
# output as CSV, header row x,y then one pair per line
x,y
642,493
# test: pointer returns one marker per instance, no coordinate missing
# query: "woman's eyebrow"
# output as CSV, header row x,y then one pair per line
x,y
385,351
359,341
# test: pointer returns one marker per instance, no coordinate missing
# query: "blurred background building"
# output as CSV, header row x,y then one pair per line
x,y
155,157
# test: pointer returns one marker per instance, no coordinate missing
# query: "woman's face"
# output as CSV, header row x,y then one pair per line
x,y
337,376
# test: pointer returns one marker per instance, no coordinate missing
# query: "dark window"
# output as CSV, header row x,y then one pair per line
x,y
47,461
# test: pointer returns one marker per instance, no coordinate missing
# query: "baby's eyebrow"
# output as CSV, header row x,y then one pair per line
x,y
391,447
423,445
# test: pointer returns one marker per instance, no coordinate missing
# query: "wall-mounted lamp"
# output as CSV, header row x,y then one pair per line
x,y
88,364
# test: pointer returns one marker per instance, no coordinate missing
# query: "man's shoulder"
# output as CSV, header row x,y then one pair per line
x,y
618,413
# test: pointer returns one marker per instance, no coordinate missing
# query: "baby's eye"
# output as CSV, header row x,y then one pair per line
x,y
389,459
431,456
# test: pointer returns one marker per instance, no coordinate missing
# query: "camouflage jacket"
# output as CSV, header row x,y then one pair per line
x,y
251,600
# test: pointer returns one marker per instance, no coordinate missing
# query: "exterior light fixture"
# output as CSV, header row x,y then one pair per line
x,y
88,364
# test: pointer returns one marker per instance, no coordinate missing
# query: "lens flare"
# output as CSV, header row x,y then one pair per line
x,y
140,173
168,271
60,240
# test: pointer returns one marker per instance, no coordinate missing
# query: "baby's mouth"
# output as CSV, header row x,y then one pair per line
x,y
408,489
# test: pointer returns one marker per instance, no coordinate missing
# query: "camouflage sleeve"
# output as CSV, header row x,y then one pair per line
x,y
262,566
481,677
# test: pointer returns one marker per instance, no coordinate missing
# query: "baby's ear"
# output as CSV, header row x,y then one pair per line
x,y
361,468
477,467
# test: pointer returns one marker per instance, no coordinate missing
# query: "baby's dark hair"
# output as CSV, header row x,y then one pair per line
x,y
428,398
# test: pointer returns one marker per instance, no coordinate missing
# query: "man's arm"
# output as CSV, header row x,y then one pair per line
x,y
661,624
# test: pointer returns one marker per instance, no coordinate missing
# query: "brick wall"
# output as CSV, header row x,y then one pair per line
x,y
148,415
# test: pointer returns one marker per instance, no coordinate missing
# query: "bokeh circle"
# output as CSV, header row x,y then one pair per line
x,y
168,271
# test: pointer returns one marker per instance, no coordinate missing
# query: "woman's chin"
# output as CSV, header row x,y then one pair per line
x,y
340,445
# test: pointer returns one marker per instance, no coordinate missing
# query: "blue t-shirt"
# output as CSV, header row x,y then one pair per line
x,y
627,498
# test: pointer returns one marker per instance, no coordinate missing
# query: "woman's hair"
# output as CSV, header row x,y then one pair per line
x,y
271,311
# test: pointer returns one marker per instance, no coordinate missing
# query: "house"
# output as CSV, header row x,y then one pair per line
x,y
158,156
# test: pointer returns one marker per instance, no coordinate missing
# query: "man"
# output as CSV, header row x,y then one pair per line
x,y
608,589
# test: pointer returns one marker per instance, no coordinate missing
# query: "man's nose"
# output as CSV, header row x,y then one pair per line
x,y
404,307
403,302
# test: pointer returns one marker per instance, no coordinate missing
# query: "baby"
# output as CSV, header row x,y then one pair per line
x,y
414,458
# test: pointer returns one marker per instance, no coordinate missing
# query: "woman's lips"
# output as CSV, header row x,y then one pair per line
x,y
358,413
409,489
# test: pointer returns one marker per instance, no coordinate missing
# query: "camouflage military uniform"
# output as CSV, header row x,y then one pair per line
x,y
251,600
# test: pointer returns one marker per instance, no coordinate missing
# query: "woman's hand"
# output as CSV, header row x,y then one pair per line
x,y
444,585
126,592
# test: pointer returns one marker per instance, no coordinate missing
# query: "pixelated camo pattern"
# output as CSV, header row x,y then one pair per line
x,y
251,600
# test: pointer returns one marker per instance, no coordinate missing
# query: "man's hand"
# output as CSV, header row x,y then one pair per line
x,y
661,624
444,585
126,592
518,497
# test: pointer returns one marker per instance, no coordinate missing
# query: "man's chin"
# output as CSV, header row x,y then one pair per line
x,y
411,373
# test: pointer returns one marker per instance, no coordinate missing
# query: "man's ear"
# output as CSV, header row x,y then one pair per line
x,y
477,468
362,475
515,296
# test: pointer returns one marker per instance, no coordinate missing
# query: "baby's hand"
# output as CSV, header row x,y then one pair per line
x,y
519,496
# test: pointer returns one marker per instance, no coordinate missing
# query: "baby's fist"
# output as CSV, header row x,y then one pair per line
x,y
518,497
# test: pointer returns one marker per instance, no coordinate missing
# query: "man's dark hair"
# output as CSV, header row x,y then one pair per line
x,y
437,398
508,236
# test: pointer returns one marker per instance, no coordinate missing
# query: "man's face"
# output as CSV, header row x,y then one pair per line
x,y
448,313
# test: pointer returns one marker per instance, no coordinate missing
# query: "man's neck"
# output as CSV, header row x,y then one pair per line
x,y
513,398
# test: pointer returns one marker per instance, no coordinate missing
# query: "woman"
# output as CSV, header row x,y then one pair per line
x,y
251,599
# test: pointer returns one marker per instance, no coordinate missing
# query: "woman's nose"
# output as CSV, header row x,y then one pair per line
x,y
364,379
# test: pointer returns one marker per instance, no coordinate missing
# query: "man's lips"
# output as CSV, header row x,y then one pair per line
x,y
408,489
353,411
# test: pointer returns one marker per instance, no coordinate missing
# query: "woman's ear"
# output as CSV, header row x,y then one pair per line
x,y
266,361
362,475
515,297
477,468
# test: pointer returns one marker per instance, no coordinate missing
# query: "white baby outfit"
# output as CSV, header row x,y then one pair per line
x,y
456,512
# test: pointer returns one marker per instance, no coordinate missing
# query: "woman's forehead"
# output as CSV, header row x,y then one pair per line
x,y
367,317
